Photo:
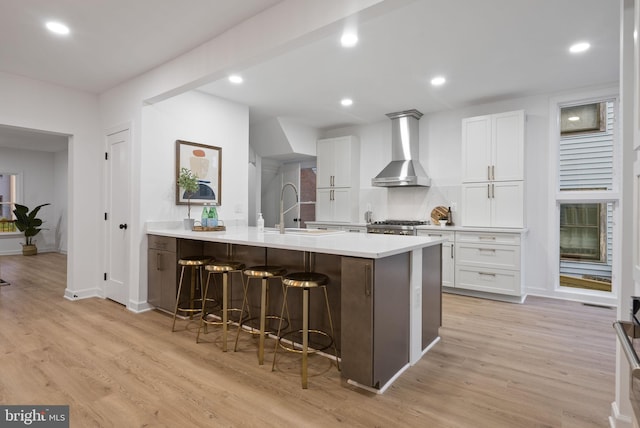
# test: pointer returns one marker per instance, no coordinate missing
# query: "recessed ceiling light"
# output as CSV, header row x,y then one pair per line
x,y
349,40
574,118
579,47
234,78
346,102
437,81
57,27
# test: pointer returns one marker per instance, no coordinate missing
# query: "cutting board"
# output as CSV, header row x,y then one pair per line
x,y
437,213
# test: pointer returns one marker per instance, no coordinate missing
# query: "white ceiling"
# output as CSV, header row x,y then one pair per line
x,y
488,50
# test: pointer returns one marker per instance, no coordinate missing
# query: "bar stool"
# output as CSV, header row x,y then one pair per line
x,y
264,273
224,267
305,281
196,263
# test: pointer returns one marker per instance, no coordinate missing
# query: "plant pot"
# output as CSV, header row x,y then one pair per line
x,y
188,223
29,250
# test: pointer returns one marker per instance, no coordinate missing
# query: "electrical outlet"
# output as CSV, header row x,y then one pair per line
x,y
454,207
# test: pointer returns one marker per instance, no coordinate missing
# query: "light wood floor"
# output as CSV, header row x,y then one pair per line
x,y
545,363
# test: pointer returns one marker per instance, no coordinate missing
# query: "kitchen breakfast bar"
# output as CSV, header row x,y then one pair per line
x,y
385,292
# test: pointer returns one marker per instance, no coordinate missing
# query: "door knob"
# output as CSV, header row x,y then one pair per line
x,y
123,226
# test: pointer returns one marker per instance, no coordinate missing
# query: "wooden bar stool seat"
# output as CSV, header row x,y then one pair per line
x,y
196,264
305,281
226,268
264,273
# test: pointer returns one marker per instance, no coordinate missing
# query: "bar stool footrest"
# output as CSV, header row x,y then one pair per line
x,y
256,330
295,346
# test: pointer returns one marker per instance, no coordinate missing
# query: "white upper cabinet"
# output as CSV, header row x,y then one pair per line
x,y
493,170
493,147
338,162
338,179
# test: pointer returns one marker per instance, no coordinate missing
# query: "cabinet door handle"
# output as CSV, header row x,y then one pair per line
x,y
492,250
158,261
493,172
488,238
488,191
487,274
488,172
367,280
452,251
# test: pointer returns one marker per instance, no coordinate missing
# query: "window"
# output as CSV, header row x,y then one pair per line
x,y
586,182
583,232
8,192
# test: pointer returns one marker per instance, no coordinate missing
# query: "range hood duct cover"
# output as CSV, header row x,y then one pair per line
x,y
404,168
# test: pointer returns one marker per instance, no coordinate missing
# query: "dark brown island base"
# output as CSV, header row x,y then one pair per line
x,y
385,292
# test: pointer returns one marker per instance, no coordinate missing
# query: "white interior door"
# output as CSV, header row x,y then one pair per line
x,y
117,218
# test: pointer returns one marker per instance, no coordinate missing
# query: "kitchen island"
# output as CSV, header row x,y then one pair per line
x,y
385,291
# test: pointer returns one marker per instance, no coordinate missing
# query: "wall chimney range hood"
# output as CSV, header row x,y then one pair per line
x,y
404,168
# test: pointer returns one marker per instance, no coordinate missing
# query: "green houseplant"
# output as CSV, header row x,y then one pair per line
x,y
29,224
189,183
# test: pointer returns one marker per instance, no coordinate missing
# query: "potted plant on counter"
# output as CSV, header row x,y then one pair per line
x,y
29,224
189,183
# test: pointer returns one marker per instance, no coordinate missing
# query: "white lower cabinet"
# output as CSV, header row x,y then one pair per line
x,y
347,227
497,281
489,262
448,255
481,262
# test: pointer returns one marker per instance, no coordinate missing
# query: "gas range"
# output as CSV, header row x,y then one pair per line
x,y
395,227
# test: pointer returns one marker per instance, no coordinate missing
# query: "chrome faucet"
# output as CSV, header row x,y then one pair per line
x,y
282,211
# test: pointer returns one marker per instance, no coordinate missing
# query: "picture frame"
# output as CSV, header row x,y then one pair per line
x,y
206,163
582,119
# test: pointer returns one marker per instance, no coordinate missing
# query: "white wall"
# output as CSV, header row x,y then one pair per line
x,y
199,118
38,105
38,182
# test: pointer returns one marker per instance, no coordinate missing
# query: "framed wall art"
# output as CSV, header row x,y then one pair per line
x,y
205,162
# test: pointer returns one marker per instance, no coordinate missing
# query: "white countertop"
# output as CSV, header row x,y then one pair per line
x,y
366,245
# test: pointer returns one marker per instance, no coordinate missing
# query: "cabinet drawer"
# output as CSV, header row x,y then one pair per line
x,y
450,236
488,238
488,280
493,256
164,243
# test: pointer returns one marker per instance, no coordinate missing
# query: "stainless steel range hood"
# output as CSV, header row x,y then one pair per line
x,y
404,168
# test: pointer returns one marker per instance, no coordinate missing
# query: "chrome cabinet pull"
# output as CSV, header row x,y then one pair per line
x,y
487,274
451,250
487,249
488,191
488,172
493,172
158,261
